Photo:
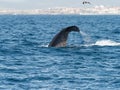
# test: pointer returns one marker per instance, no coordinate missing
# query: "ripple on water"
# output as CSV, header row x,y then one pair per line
x,y
26,63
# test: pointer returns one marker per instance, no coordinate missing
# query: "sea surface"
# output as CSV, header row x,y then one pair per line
x,y
90,61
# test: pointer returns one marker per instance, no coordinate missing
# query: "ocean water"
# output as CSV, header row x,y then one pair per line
x,y
90,61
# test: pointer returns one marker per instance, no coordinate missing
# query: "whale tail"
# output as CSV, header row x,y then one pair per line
x,y
60,39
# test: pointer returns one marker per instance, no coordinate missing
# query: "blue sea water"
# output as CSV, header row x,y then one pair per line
x,y
90,61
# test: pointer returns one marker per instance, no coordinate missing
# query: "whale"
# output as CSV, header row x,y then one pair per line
x,y
60,39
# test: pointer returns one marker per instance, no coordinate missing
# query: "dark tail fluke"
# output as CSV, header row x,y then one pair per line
x,y
60,39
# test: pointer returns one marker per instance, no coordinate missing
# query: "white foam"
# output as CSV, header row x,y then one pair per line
x,y
107,43
44,45
104,43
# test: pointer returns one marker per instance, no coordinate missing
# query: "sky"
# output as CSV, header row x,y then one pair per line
x,y
38,4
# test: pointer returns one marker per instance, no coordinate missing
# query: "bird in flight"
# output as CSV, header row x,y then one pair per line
x,y
85,2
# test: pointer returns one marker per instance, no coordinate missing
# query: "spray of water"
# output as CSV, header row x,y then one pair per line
x,y
85,37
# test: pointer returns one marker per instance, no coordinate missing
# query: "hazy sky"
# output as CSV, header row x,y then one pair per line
x,y
36,4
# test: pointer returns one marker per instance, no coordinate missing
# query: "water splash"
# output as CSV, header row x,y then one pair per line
x,y
104,42
86,38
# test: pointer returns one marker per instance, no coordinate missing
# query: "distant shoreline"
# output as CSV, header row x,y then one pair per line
x,y
64,11
62,14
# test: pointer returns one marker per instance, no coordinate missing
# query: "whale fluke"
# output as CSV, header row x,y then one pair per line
x,y
60,39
